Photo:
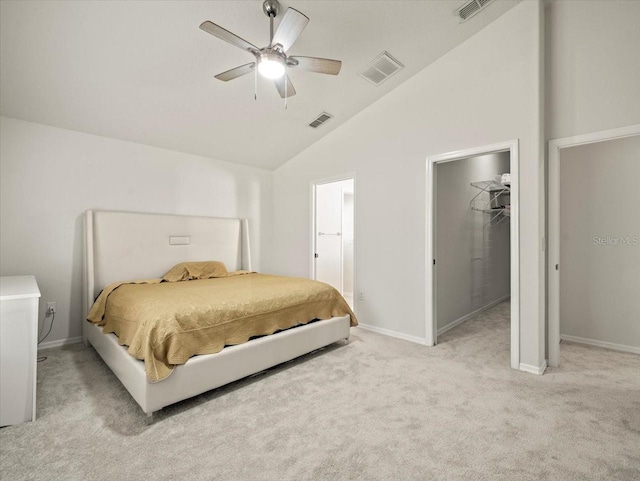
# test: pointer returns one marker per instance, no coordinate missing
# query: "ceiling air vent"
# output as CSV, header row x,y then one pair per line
x,y
469,9
383,67
320,120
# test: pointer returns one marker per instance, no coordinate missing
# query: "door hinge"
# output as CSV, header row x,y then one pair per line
x,y
315,255
557,267
434,262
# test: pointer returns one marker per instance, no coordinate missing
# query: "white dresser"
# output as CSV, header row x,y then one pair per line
x,y
19,298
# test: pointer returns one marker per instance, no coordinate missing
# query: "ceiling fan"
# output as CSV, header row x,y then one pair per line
x,y
272,61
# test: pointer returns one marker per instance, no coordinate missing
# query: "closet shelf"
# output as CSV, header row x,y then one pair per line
x,y
500,210
491,186
492,199
489,206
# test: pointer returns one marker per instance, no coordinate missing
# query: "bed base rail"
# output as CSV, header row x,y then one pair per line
x,y
205,372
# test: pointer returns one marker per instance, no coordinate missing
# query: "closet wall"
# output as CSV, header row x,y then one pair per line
x,y
473,260
600,242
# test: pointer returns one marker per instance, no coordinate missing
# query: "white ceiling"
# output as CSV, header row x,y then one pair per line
x,y
143,71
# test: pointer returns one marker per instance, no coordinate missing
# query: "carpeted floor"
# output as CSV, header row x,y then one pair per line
x,y
375,409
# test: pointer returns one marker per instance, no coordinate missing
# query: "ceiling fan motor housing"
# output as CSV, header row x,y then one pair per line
x,y
271,8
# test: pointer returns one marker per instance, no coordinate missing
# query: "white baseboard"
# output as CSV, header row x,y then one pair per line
x,y
390,333
596,343
59,342
466,317
538,370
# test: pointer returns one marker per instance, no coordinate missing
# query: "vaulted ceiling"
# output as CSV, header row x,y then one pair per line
x,y
143,71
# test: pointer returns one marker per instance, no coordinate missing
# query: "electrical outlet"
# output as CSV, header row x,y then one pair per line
x,y
361,295
51,307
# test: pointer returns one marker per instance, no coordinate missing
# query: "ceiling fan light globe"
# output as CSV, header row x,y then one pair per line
x,y
271,66
271,69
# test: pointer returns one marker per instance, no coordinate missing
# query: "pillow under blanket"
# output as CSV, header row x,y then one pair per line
x,y
186,271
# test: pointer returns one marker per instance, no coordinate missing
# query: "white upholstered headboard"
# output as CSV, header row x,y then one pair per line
x,y
121,246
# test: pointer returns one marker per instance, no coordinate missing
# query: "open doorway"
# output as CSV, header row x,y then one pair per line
x,y
472,237
594,241
333,236
473,240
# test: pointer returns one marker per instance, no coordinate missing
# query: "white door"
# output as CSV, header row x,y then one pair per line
x,y
329,235
347,244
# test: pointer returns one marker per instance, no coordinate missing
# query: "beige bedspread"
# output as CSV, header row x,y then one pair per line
x,y
165,323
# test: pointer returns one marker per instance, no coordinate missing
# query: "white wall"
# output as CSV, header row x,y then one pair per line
x,y
486,90
600,241
462,234
593,66
49,176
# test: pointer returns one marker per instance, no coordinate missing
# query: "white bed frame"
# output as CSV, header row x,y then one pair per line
x,y
125,245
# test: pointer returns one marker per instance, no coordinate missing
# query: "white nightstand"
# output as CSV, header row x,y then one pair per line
x,y
19,298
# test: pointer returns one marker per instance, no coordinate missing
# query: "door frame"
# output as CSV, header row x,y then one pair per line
x,y
353,195
312,228
431,327
553,261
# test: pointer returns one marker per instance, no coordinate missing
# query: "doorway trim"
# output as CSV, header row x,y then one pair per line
x,y
312,227
353,200
553,261
431,327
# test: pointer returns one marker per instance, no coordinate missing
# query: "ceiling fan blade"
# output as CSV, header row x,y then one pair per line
x,y
318,65
290,28
236,72
227,36
279,83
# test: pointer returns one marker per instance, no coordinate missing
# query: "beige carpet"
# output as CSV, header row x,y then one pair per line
x,y
376,409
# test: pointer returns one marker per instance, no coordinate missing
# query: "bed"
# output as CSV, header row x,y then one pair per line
x,y
127,246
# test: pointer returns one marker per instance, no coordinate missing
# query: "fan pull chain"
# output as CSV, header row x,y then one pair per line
x,y
255,87
286,81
